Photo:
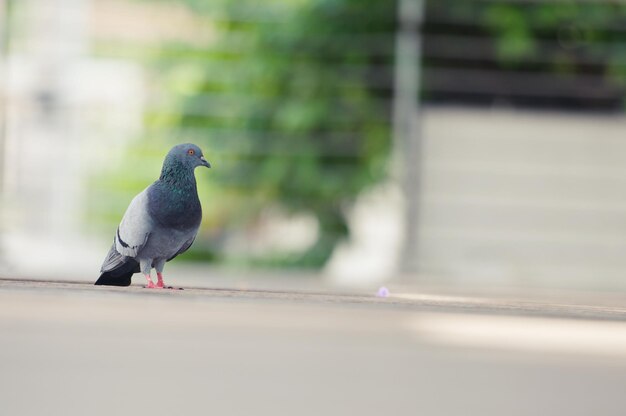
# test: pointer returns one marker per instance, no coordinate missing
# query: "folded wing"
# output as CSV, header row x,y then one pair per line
x,y
131,235
134,230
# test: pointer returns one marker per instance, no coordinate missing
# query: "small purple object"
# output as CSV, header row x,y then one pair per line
x,y
383,292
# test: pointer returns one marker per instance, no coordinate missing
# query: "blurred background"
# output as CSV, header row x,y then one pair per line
x,y
433,142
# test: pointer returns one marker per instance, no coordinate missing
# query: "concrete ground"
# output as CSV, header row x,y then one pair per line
x,y
70,348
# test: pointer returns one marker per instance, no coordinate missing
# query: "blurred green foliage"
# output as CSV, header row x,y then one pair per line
x,y
310,127
583,30
560,37
526,23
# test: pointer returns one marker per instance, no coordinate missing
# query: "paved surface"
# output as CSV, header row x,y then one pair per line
x,y
75,349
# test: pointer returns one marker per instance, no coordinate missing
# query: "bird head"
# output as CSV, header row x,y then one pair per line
x,y
188,155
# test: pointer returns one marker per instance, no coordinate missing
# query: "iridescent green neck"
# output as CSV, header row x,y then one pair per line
x,y
178,175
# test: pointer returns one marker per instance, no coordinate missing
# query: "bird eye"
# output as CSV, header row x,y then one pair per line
x,y
191,152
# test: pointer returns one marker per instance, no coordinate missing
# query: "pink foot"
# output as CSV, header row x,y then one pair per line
x,y
160,284
150,284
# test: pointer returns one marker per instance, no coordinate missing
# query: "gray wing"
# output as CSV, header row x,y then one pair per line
x,y
135,228
185,247
131,235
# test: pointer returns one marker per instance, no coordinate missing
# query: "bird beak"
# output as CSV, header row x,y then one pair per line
x,y
205,162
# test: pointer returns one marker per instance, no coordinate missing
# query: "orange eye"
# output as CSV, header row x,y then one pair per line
x,y
191,152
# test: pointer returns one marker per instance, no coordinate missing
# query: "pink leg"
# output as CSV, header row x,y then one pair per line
x,y
161,284
151,284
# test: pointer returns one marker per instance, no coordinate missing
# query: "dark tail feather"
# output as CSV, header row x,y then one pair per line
x,y
108,279
120,276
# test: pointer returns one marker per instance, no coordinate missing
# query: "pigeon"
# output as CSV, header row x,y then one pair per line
x,y
160,223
